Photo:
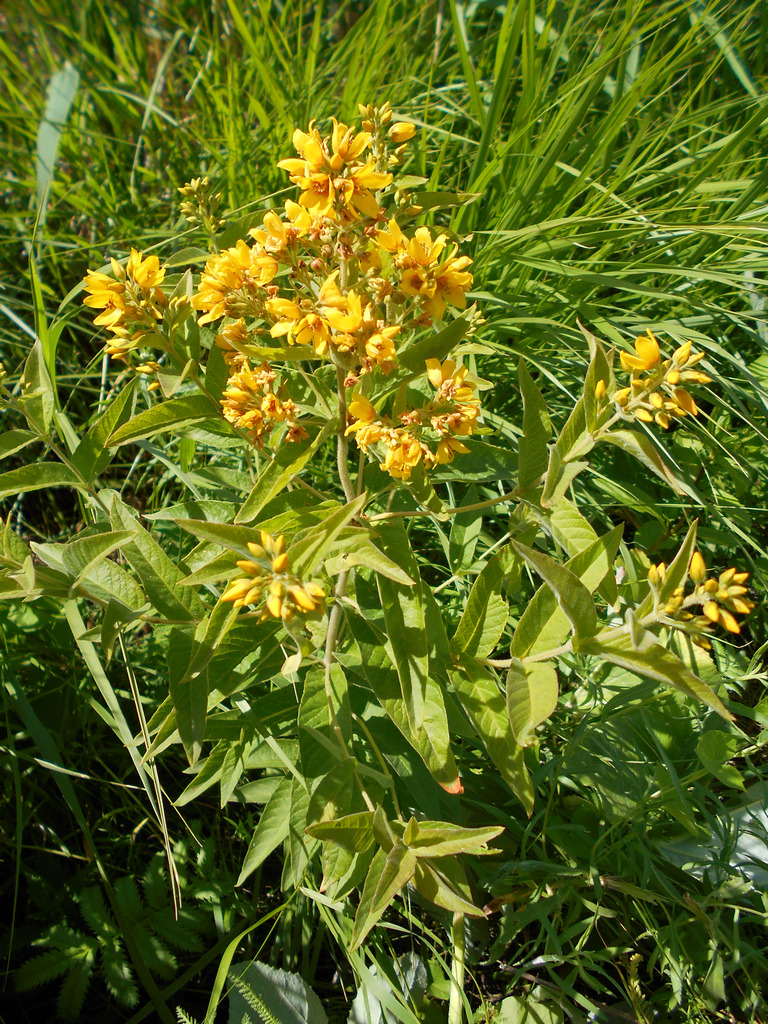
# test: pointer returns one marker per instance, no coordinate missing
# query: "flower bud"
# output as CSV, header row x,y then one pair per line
x,y
698,569
401,131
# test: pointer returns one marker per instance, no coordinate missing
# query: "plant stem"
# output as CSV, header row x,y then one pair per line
x,y
342,444
458,938
508,496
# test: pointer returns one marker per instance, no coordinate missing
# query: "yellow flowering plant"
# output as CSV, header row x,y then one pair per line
x,y
303,630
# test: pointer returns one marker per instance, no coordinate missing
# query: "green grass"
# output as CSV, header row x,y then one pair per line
x,y
618,154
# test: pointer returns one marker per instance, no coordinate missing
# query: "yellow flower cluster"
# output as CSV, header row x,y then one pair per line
x,y
712,602
334,275
654,394
132,301
450,415
249,402
429,271
233,282
268,572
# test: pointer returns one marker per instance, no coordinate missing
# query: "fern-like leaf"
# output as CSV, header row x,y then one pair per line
x,y
255,1001
42,969
72,994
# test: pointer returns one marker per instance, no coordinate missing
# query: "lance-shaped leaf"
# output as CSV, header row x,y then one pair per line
x,y
657,663
444,839
559,477
531,697
387,875
236,538
37,477
357,548
486,611
333,794
307,554
574,433
484,704
171,415
276,475
640,447
353,832
13,441
537,431
600,369
271,830
93,454
158,575
404,617
38,398
431,881
572,596
188,689
314,719
544,625
436,345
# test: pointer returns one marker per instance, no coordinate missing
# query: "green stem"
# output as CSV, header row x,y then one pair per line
x,y
342,443
458,938
508,496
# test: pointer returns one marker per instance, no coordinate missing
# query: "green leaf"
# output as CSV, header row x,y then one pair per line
x,y
537,431
676,573
574,432
444,839
314,718
38,397
397,871
572,596
271,830
544,625
276,475
640,447
365,919
227,535
531,697
657,663
353,832
307,554
158,575
406,639
188,689
431,881
81,554
714,749
37,477
93,455
333,795
357,548
436,345
599,369
14,440
560,475
483,702
172,414
485,615
465,530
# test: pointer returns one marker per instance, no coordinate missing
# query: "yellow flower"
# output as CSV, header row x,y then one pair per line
x,y
648,354
401,131
447,448
132,301
249,403
300,323
276,234
233,282
405,452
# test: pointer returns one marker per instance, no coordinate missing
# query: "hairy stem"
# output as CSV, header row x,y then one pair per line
x,y
458,938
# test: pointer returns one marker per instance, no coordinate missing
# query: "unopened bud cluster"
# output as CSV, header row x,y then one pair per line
x,y
200,205
714,601
654,393
268,575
